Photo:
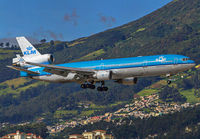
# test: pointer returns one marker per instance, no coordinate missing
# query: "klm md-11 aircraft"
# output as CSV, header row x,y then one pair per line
x,y
122,70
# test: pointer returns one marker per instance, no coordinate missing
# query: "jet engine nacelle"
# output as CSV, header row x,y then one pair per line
x,y
103,75
127,81
42,59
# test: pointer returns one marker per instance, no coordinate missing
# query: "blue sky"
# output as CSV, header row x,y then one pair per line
x,y
69,19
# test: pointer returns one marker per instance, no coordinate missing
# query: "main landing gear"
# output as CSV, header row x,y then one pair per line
x,y
84,86
92,86
102,87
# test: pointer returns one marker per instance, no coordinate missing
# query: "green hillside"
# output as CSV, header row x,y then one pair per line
x,y
173,29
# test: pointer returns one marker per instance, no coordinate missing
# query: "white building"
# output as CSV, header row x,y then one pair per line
x,y
21,135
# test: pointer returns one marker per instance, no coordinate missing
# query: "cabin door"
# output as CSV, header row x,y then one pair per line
x,y
145,68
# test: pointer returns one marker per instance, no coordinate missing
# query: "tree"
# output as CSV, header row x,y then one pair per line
x,y
43,40
171,94
186,84
1,44
196,83
51,42
7,44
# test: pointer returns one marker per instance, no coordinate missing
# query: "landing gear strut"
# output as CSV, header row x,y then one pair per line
x,y
88,85
102,87
169,82
92,86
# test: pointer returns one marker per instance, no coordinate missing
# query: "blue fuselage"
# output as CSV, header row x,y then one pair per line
x,y
124,63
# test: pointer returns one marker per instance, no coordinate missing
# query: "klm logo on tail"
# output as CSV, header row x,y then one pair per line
x,y
29,51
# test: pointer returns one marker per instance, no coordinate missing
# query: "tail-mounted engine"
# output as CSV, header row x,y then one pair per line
x,y
42,59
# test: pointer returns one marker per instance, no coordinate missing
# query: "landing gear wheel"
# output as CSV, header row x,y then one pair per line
x,y
99,88
105,88
88,85
83,86
92,86
102,87
169,82
135,80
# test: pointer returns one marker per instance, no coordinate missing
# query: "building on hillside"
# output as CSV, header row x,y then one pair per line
x,y
21,135
96,134
76,136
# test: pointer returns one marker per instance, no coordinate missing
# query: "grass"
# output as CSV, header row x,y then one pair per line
x,y
117,103
62,113
4,53
16,86
158,85
93,106
32,85
91,55
87,113
75,43
17,82
140,29
189,94
147,92
8,51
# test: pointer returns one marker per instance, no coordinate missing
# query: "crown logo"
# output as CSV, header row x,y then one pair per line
x,y
29,48
161,59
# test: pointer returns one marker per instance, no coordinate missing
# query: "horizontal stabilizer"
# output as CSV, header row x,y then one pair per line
x,y
22,69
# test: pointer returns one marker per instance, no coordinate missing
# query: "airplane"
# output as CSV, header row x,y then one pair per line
x,y
122,70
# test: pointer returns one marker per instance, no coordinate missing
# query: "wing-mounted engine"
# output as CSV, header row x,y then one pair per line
x,y
127,81
103,75
41,59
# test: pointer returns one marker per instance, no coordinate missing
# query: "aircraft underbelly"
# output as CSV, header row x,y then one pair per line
x,y
157,70
127,72
149,71
123,73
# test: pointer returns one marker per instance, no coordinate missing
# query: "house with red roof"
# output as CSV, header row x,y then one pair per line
x,y
21,135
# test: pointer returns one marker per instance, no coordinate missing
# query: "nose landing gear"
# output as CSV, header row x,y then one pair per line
x,y
102,87
169,82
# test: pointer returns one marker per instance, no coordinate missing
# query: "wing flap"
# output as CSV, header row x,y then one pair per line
x,y
60,70
56,71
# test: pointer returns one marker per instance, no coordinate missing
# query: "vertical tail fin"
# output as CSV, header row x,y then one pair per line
x,y
26,47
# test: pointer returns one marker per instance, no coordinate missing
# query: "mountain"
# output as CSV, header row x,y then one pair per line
x,y
172,29
13,41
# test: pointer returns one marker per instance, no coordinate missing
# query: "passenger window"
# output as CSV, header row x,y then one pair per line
x,y
185,59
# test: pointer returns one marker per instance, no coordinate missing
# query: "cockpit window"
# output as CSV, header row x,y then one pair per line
x,y
185,59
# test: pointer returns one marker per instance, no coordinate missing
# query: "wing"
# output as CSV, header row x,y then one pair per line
x,y
63,71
